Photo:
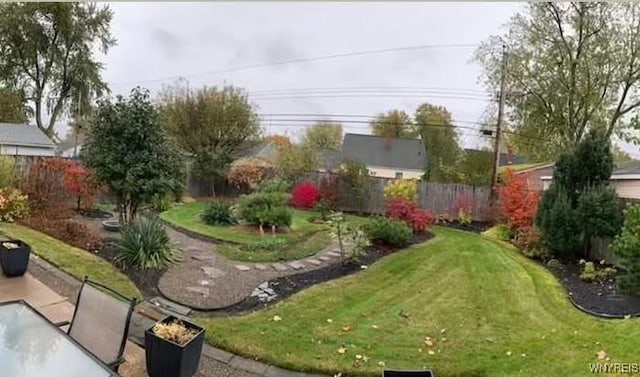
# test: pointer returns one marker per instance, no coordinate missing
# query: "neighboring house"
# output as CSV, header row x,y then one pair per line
x,y
71,152
625,179
328,160
24,140
386,157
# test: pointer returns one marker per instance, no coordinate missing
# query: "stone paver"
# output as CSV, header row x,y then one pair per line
x,y
279,267
212,272
260,267
296,265
333,253
314,262
201,290
203,256
324,258
242,267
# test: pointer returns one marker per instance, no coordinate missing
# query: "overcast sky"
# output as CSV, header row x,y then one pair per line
x,y
158,42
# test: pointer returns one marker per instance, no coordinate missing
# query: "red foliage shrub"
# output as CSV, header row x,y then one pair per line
x,y
518,205
462,203
305,195
68,231
406,210
46,188
330,191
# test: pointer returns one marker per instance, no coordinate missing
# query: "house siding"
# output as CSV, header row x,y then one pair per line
x,y
385,172
534,178
18,150
625,188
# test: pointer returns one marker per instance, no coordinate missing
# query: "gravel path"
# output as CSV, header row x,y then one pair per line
x,y
206,280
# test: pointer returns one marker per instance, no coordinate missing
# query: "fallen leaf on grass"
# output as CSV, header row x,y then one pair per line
x,y
374,326
431,352
601,355
342,350
277,318
382,364
508,353
329,320
346,328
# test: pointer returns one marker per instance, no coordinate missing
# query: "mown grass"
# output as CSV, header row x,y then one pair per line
x,y
76,262
489,311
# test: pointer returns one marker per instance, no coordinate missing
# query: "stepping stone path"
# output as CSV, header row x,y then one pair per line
x,y
260,267
212,272
325,258
334,253
279,267
314,262
296,265
242,267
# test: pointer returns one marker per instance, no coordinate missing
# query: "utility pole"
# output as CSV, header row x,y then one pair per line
x,y
77,125
496,148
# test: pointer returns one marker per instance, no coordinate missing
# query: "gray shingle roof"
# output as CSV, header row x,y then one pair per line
x,y
373,151
328,159
25,135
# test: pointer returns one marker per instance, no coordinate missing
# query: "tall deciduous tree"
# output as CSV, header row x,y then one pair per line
x,y
571,67
130,152
47,50
12,109
294,160
211,124
435,127
395,123
323,135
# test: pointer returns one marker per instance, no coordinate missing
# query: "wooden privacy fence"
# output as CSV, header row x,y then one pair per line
x,y
439,198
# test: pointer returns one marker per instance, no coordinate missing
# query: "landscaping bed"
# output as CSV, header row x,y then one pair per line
x,y
286,286
475,226
599,297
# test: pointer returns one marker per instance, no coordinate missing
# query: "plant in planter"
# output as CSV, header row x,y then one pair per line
x,y
173,348
14,257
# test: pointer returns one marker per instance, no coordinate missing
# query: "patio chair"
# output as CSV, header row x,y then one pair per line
x,y
100,322
407,373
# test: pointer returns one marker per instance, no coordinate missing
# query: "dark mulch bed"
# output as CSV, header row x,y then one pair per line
x,y
94,213
599,298
288,285
147,282
475,227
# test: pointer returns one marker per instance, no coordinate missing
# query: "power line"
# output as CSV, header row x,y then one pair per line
x,y
302,60
270,98
329,115
372,88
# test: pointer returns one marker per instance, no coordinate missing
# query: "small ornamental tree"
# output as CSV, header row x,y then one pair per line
x,y
81,182
129,152
248,173
627,246
305,195
518,205
358,182
409,212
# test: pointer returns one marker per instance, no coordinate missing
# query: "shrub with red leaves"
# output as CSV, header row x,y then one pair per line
x,y
409,212
305,195
68,231
330,191
518,205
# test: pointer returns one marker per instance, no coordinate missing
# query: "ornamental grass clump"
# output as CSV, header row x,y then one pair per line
x,y
175,332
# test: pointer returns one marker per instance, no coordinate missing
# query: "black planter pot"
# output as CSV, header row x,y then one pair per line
x,y
168,359
14,262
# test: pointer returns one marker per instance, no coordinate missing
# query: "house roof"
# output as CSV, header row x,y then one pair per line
x,y
373,151
328,159
24,135
627,167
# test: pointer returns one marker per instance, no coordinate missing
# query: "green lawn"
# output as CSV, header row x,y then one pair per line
x,y
491,311
187,216
75,262
311,246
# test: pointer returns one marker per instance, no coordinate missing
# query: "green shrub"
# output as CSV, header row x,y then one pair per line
x,y
387,231
559,224
219,213
274,185
268,244
13,204
599,212
160,203
341,231
145,245
401,188
7,171
267,209
325,208
591,273
627,246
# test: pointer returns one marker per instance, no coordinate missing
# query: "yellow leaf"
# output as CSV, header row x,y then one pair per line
x,y
374,326
329,320
277,318
346,328
601,355
431,352
342,350
382,363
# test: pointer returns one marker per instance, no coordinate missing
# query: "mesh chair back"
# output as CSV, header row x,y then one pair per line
x,y
101,322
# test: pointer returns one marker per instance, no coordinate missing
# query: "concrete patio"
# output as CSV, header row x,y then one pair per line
x,y
57,308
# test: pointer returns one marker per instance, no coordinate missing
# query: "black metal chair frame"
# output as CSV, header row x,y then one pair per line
x,y
132,303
